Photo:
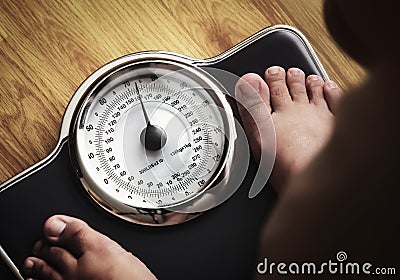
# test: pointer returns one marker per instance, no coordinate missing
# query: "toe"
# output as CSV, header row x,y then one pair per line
x,y
296,83
57,257
73,234
332,95
251,90
39,269
315,89
252,95
275,77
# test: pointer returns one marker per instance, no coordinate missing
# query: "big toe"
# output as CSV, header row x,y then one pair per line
x,y
252,91
73,234
252,95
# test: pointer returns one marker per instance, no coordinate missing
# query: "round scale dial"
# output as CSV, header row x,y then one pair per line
x,y
152,135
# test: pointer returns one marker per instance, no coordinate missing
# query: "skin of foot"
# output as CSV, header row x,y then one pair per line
x,y
71,249
302,111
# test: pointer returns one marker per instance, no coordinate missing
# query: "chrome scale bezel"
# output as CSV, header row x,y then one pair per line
x,y
68,115
157,216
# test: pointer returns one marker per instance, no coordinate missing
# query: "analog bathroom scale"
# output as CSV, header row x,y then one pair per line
x,y
147,143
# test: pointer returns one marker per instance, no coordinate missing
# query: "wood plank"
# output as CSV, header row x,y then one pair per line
x,y
48,48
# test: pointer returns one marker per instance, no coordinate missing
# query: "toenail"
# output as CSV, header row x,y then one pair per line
x,y
254,86
29,264
274,70
294,71
56,227
331,84
249,87
314,78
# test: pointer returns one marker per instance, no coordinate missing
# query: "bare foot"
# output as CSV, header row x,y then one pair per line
x,y
73,250
302,111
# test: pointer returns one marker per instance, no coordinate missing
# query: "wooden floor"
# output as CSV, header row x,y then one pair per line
x,y
47,48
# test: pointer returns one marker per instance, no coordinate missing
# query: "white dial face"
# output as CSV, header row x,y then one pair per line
x,y
114,139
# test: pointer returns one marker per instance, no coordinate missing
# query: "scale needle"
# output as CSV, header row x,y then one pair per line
x,y
146,117
152,137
